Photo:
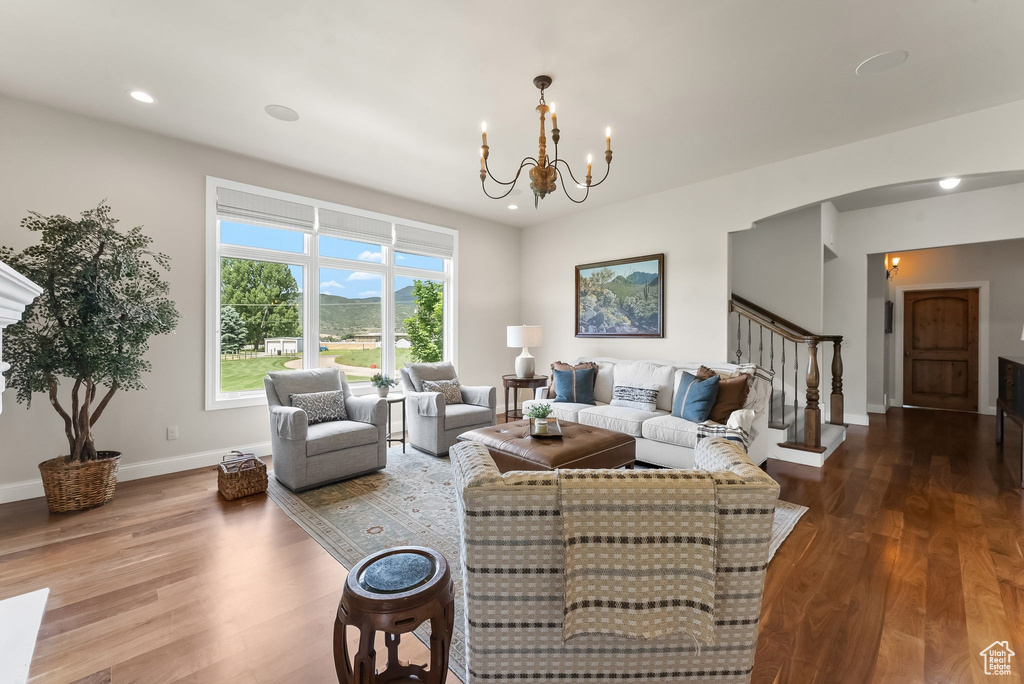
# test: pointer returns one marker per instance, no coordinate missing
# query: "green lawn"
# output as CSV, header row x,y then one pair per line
x,y
238,375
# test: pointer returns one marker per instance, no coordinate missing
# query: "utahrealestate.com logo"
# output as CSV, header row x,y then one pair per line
x,y
997,658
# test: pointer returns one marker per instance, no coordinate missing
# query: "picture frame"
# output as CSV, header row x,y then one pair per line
x,y
621,298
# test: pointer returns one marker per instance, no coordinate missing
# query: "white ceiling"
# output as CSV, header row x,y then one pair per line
x,y
391,94
908,192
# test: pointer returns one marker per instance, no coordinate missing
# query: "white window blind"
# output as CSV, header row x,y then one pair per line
x,y
352,227
425,242
264,211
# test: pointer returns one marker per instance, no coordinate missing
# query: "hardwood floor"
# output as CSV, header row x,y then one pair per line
x,y
908,563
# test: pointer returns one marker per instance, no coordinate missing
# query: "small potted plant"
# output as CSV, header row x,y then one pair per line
x,y
383,383
85,338
539,414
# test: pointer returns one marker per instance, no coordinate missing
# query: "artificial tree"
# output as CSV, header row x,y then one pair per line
x,y
103,298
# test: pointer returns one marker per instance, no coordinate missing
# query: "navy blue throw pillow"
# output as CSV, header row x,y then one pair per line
x,y
575,386
695,398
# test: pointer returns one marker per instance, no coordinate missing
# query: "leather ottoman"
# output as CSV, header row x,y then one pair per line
x,y
581,446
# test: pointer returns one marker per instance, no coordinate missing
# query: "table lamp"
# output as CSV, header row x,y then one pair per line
x,y
524,336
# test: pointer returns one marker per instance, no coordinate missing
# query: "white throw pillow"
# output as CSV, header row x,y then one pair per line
x,y
647,373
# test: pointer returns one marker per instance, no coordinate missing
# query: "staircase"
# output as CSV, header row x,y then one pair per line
x,y
797,433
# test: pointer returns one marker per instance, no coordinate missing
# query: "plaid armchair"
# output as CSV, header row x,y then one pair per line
x,y
513,558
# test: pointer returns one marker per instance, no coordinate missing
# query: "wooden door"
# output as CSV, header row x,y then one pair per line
x,y
940,349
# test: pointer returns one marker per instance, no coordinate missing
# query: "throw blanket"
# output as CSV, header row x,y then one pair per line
x,y
639,552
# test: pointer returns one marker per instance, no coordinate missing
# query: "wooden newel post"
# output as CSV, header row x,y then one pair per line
x,y
812,413
835,416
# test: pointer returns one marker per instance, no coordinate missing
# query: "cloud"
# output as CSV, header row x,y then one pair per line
x,y
332,284
369,293
370,256
400,257
363,276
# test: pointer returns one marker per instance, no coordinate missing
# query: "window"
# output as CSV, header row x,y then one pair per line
x,y
297,283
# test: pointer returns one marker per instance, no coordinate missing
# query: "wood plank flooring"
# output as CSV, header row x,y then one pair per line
x,y
908,563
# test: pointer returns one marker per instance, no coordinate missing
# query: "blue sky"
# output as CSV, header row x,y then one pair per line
x,y
346,283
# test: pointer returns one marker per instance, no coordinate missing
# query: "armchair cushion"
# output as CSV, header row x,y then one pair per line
x,y
337,435
288,422
287,383
418,372
322,407
465,415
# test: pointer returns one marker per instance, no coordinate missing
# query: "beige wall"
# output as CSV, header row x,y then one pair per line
x,y
57,162
691,225
1000,266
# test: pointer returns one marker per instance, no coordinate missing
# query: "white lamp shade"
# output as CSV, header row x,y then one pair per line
x,y
524,335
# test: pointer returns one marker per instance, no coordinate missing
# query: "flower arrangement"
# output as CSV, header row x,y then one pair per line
x,y
381,381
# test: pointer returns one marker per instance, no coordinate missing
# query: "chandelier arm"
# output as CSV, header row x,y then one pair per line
x,y
513,181
483,185
575,201
606,172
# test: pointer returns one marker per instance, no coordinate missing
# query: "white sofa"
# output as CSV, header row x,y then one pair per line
x,y
661,438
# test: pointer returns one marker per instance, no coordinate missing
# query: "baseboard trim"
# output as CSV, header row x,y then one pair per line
x,y
31,489
856,418
876,408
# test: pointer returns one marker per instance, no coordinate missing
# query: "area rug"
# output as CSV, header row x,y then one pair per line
x,y
412,503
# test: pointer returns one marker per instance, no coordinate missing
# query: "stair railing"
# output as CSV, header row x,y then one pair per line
x,y
789,332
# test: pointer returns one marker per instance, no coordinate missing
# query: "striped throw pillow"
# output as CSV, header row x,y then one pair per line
x,y
639,397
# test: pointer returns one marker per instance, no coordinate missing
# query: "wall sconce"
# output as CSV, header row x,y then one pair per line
x,y
890,272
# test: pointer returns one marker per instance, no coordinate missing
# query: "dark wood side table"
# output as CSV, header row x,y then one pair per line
x,y
1010,402
393,399
516,383
395,591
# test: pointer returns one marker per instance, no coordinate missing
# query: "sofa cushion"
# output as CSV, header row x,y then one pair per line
x,y
562,410
418,372
574,386
695,397
563,366
465,415
617,418
732,395
671,430
323,438
289,382
646,373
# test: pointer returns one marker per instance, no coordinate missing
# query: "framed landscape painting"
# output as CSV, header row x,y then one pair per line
x,y
621,298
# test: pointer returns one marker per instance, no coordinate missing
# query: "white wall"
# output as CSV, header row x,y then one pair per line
x,y
998,264
58,162
793,243
691,225
961,218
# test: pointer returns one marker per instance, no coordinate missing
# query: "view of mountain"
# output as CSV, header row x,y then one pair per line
x,y
342,317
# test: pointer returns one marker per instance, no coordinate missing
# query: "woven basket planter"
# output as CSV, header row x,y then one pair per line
x,y
75,486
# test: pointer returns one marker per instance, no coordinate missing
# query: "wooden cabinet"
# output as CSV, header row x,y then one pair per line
x,y
1011,399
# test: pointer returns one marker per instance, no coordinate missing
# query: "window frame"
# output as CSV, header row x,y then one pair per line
x,y
311,263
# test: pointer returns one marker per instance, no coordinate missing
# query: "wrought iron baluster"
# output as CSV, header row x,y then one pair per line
x,y
796,389
771,362
748,341
739,332
760,345
782,376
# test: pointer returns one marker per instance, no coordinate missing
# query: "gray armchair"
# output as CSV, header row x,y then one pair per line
x,y
434,426
307,456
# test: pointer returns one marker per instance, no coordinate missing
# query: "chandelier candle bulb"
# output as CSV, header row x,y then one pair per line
x,y
590,159
483,131
554,117
608,139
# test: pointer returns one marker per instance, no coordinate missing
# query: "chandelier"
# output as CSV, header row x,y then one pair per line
x,y
544,171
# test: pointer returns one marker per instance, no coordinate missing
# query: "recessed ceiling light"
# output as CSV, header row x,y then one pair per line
x,y
282,113
882,62
141,96
513,206
949,183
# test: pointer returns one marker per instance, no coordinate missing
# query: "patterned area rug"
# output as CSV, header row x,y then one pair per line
x,y
411,503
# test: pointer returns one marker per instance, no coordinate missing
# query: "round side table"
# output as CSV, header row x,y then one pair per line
x,y
395,591
516,383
